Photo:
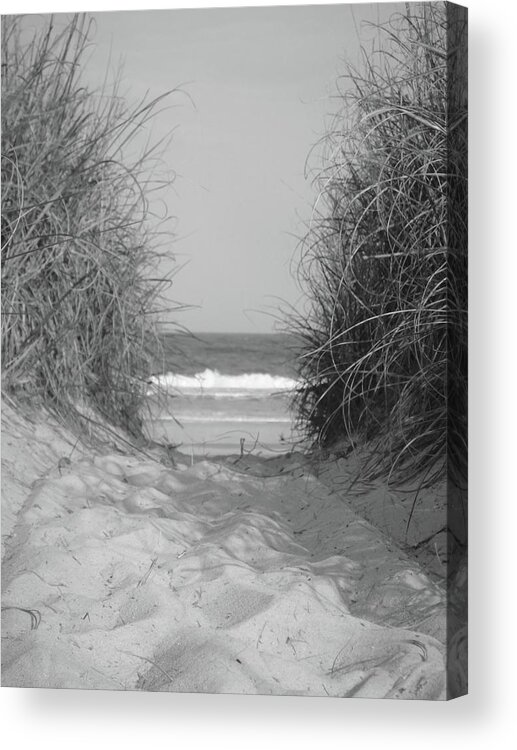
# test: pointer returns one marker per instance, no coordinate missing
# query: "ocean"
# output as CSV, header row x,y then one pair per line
x,y
220,393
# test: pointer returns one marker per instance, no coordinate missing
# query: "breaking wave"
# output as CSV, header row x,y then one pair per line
x,y
216,383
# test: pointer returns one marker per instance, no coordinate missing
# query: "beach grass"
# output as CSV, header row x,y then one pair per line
x,y
81,244
383,335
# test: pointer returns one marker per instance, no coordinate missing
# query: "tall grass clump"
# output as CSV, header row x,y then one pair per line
x,y
384,263
80,243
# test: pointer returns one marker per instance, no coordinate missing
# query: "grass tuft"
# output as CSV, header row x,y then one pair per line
x,y
80,242
383,343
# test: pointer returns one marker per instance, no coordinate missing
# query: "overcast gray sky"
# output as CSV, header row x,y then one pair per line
x,y
260,80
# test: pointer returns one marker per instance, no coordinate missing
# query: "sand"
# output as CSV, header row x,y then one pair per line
x,y
123,571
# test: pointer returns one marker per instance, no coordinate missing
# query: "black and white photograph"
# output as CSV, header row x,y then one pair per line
x,y
235,350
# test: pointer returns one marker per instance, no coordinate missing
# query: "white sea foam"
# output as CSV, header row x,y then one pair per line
x,y
216,383
208,418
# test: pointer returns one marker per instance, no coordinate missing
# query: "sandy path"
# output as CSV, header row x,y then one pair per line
x,y
122,573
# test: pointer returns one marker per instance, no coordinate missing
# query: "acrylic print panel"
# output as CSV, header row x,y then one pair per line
x,y
234,351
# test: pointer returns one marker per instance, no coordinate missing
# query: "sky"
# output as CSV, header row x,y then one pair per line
x,y
260,83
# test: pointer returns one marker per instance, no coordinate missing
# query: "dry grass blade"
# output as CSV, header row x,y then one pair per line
x,y
34,614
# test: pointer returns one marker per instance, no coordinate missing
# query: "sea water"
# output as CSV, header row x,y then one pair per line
x,y
223,393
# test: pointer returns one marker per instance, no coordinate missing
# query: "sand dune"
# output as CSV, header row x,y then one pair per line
x,y
121,572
